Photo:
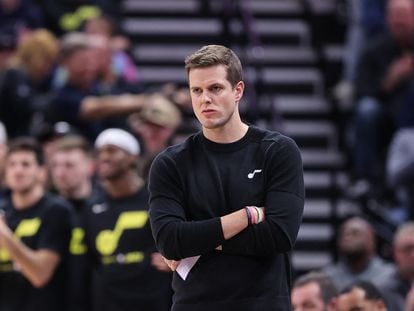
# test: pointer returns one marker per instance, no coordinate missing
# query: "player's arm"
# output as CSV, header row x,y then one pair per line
x,y
37,266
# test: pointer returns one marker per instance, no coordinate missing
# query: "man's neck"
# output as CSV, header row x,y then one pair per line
x,y
229,133
82,192
123,186
358,264
22,200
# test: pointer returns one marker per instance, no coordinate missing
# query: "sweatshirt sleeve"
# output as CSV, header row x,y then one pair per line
x,y
284,202
175,237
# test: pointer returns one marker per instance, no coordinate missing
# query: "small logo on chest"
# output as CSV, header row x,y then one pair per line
x,y
251,175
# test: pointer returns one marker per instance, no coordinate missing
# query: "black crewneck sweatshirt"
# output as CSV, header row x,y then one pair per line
x,y
193,184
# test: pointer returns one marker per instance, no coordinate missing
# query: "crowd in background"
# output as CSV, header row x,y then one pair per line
x,y
377,88
69,86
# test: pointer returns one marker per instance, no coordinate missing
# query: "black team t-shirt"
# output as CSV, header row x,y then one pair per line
x,y
45,225
119,238
195,183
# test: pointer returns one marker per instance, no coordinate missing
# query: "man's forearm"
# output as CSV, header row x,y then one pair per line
x,y
37,266
234,223
177,238
95,108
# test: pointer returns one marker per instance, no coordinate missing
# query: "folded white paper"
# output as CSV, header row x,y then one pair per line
x,y
185,266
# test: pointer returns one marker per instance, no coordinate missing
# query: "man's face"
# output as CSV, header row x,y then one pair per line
x,y
70,169
155,137
356,237
113,162
23,172
400,19
308,298
355,301
214,100
404,255
82,68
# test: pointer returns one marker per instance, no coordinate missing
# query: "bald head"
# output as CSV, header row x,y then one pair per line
x,y
404,250
400,20
357,237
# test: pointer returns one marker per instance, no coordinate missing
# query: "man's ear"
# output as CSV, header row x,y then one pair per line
x,y
380,305
43,177
332,304
239,88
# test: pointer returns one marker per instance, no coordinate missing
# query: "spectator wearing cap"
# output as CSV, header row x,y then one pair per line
x,y
131,275
77,102
155,125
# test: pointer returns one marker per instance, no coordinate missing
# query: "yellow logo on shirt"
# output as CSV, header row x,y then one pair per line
x,y
77,244
107,240
26,228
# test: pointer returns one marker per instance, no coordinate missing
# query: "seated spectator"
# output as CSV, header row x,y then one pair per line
x,y
400,169
121,62
361,295
26,86
109,81
76,102
155,125
358,259
385,76
314,291
365,19
400,282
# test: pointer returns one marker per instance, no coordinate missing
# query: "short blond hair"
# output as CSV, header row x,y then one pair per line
x,y
39,48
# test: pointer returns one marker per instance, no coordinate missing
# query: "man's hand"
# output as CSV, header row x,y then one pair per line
x,y
399,70
159,262
172,264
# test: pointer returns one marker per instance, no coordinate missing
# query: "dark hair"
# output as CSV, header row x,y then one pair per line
x,y
26,144
327,287
213,55
371,292
73,142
